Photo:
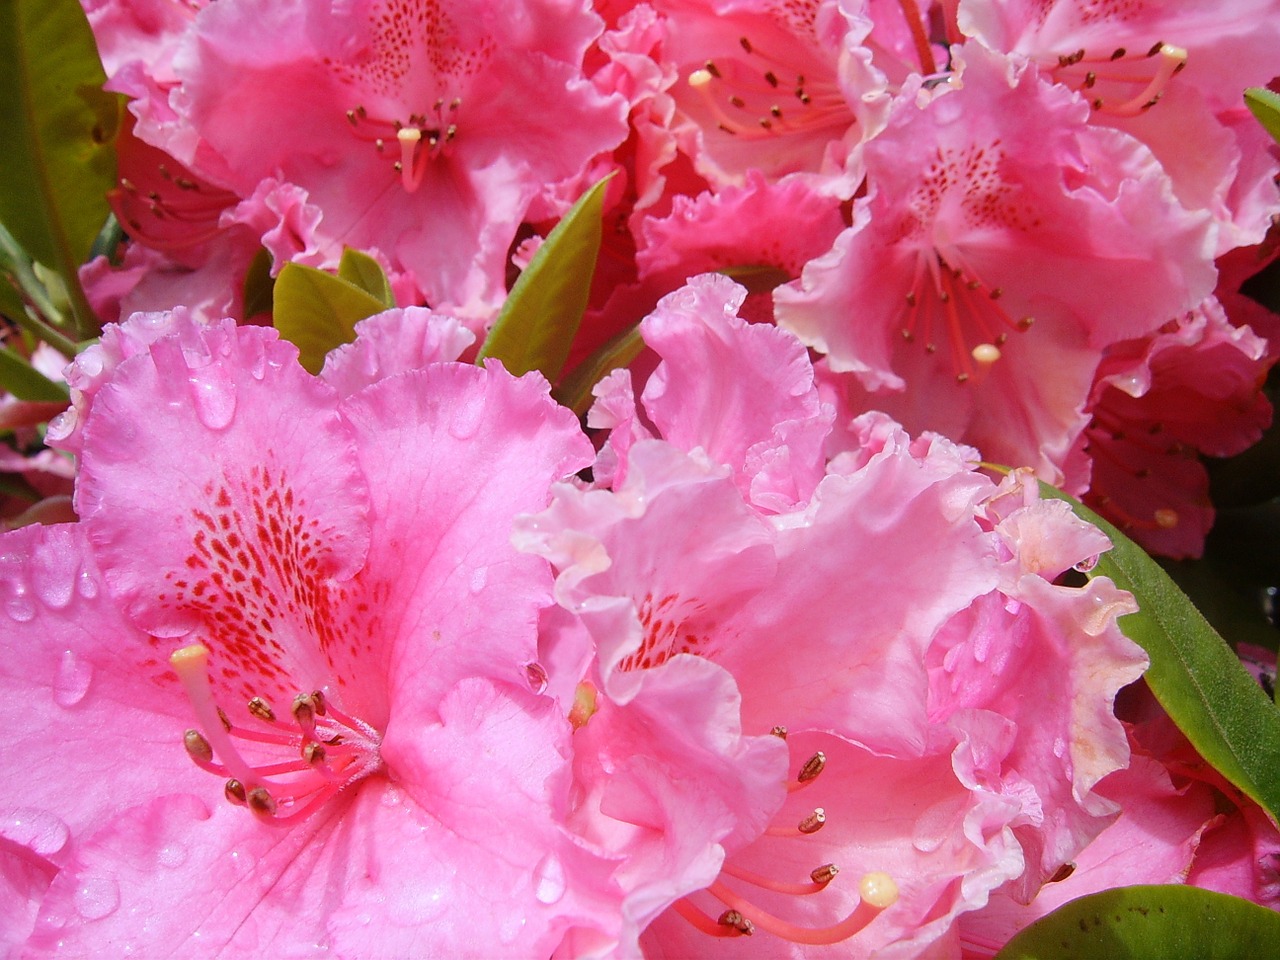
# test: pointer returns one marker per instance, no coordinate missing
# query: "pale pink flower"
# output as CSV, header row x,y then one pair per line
x,y
885,606
424,133
1004,244
321,593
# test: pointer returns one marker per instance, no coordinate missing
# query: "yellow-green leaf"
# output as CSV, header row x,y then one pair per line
x,y
57,127
1265,105
26,382
366,273
317,311
537,324
1150,923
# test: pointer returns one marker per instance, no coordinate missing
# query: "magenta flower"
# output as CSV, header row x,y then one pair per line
x,y
422,133
879,600
277,679
1003,245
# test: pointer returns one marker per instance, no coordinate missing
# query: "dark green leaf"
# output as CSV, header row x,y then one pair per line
x,y
56,125
1152,923
574,391
259,285
537,324
1265,105
26,382
366,273
317,311
1194,674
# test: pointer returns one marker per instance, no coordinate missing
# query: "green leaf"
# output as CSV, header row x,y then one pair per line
x,y
259,286
26,382
1150,922
537,324
57,127
1195,675
317,311
366,273
1265,105
574,391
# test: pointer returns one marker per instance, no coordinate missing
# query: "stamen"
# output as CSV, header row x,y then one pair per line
x,y
816,885
410,172
878,893
260,801
808,772
235,792
701,922
261,709
197,746
732,918
780,732
814,822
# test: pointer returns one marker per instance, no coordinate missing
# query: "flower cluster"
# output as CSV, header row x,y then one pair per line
x,y
783,641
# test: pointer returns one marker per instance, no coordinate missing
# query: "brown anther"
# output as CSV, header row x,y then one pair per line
x,y
455,103
802,97
1155,48
1001,339
962,378
776,111
261,709
930,348
770,78
351,118
974,284
185,184
907,335
234,791
360,112
379,145
1152,102
737,101
164,171
1118,53
765,123
451,131
944,296
732,918
313,753
1096,104
746,44
996,293
438,104
911,299
317,701
824,874
226,721
1026,323
304,711
152,195
197,745
1090,79
1064,871
813,822
260,801
397,166
712,69
812,767
728,130
779,732
127,184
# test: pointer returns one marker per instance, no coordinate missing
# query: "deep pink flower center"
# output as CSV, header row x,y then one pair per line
x,y
742,917
1119,82
282,769
409,145
953,307
759,94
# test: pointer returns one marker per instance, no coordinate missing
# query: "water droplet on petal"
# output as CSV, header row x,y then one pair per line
x,y
549,880
97,897
40,832
465,420
478,579
87,585
536,674
173,855
214,394
20,607
71,682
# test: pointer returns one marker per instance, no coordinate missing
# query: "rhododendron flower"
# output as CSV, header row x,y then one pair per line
x,y
883,611
278,677
423,133
1003,246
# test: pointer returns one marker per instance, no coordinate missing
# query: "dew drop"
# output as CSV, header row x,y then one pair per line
x,y
173,855
97,897
536,674
214,394
40,832
87,585
549,880
71,682
20,607
466,420
478,579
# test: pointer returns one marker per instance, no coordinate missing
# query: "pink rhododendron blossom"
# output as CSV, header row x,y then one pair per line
x,y
299,644
423,132
1003,246
888,615
783,88
1159,403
